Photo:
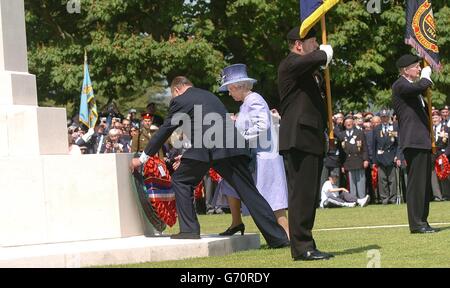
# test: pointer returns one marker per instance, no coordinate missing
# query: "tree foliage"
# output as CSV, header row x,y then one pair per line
x,y
136,46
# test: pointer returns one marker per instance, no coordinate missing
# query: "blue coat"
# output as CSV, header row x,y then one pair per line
x,y
255,123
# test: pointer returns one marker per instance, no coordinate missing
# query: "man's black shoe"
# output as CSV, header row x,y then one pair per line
x,y
423,230
433,228
313,255
185,235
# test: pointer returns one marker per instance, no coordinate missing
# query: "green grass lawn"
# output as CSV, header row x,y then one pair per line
x,y
396,246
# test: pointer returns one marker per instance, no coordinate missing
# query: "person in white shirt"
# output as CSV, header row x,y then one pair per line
x,y
333,196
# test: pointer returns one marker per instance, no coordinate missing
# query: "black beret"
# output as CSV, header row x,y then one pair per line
x,y
294,34
407,60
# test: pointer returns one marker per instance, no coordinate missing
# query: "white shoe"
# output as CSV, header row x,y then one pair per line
x,y
349,204
364,201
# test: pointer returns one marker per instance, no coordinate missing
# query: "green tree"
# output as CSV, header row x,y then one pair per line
x,y
130,47
366,45
136,46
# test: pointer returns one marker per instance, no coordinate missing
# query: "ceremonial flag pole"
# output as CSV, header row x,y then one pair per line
x,y
421,35
428,95
328,85
311,11
88,107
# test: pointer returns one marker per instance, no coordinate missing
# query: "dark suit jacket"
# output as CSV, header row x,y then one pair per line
x,y
303,111
369,144
189,111
384,149
354,157
441,140
334,157
412,116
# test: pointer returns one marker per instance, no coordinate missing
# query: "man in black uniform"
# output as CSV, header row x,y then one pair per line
x,y
440,131
302,137
192,106
414,138
355,159
385,150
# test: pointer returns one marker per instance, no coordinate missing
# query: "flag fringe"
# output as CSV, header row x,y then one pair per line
x,y
423,53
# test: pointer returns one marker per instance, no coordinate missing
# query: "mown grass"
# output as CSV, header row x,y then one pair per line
x,y
396,246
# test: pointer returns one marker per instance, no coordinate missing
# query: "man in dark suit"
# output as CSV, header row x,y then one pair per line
x,y
200,113
385,150
302,137
414,138
355,159
440,131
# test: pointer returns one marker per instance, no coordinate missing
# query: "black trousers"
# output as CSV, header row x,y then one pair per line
x,y
303,170
236,172
387,185
418,190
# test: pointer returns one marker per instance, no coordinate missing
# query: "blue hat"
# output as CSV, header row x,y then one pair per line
x,y
233,74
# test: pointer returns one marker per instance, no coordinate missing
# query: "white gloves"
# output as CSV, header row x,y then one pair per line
x,y
426,73
329,50
86,137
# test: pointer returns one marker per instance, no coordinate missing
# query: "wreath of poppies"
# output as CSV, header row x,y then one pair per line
x,y
374,174
443,169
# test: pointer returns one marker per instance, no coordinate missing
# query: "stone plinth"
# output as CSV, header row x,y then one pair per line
x,y
49,199
123,251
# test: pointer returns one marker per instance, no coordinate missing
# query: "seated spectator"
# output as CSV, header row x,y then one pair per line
x,y
332,196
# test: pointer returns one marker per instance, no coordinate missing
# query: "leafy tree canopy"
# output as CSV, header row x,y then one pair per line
x,y
136,46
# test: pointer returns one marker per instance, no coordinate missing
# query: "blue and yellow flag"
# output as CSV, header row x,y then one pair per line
x,y
421,31
88,108
311,11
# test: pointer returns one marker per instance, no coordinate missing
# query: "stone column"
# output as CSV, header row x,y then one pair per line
x,y
18,87
25,128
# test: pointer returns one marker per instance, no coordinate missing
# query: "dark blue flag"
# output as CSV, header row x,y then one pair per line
x,y
421,31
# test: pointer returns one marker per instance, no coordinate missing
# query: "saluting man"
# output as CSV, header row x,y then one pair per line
x,y
414,138
302,136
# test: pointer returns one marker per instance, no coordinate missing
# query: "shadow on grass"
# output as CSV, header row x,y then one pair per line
x,y
340,253
356,250
440,229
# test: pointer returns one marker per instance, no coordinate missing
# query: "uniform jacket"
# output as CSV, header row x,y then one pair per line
x,y
385,145
411,113
333,157
141,139
354,149
302,108
441,133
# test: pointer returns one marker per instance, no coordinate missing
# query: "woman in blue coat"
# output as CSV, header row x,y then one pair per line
x,y
256,124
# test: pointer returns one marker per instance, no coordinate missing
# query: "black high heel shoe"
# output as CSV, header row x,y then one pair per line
x,y
233,230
